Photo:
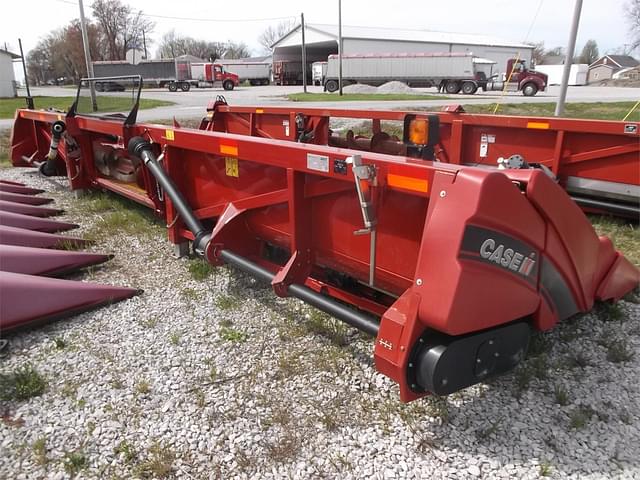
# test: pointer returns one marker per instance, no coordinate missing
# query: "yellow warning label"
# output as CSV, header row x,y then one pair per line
x,y
169,135
231,167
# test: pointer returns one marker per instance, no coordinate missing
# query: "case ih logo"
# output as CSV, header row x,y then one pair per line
x,y
500,250
507,257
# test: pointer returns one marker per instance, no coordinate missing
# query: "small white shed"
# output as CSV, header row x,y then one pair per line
x,y
7,78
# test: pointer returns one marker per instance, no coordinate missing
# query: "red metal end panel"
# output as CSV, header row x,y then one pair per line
x,y
480,233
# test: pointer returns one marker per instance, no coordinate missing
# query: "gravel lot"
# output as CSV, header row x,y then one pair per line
x,y
218,378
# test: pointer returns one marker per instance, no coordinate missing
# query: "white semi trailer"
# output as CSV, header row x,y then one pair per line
x,y
257,73
454,72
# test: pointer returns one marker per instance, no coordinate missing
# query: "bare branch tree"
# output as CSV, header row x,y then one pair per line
x,y
589,52
632,13
236,50
173,45
274,33
121,28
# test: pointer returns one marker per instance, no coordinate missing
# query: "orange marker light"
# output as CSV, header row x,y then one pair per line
x,y
419,132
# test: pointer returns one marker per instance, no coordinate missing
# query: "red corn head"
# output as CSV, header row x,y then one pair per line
x,y
27,299
4,187
26,199
44,261
31,210
32,223
31,238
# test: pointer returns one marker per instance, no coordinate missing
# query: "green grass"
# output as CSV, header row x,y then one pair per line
x,y
362,97
624,234
8,106
199,269
4,149
21,384
74,462
596,110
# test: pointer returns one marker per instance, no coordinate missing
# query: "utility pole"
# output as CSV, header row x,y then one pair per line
x,y
26,79
304,56
571,46
87,57
340,46
144,43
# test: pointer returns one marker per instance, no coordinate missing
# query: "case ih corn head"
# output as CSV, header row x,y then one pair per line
x,y
449,266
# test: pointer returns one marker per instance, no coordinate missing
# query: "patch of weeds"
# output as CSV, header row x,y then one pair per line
x,y
91,426
199,269
159,463
190,294
213,373
227,302
116,383
231,335
81,403
561,395
74,462
21,384
149,322
625,417
59,343
143,387
200,398
175,337
285,448
545,469
618,351
289,364
438,407
69,389
39,450
580,416
523,376
127,451
540,343
610,312
577,359
320,323
540,366
485,432
122,217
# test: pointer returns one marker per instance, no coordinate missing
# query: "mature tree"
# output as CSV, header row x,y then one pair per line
x,y
589,53
121,27
61,54
274,33
236,50
538,52
632,13
173,45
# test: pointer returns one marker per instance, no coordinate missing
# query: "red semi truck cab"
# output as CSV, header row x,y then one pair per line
x,y
228,79
518,77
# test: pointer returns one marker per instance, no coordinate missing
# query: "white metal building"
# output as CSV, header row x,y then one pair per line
x,y
7,78
322,41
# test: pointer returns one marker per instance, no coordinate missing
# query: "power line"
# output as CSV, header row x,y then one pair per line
x,y
192,19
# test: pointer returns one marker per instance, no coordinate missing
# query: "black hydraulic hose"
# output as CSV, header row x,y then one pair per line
x,y
611,207
362,321
141,148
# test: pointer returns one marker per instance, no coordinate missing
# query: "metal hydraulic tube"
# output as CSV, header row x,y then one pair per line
x,y
141,148
48,168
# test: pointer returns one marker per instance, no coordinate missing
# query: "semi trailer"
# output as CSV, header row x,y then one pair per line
x,y
257,73
318,73
453,72
173,73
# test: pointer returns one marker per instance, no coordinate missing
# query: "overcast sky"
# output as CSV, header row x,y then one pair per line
x,y
244,20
